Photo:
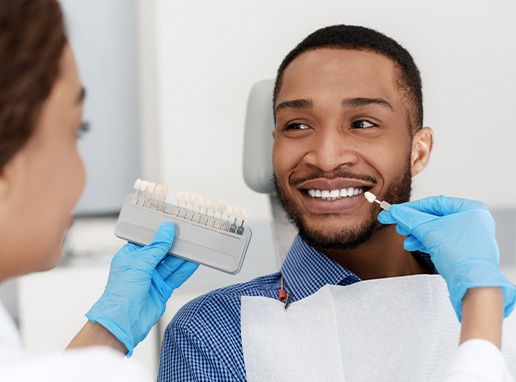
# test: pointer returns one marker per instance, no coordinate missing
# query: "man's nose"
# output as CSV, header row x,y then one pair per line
x,y
331,149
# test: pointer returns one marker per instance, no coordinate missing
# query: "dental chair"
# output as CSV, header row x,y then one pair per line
x,y
257,167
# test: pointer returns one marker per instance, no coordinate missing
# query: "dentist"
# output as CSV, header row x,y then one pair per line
x,y
41,179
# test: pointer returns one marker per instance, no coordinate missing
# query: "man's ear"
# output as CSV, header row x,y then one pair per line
x,y
422,144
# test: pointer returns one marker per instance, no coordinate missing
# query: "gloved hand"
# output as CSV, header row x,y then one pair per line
x,y
459,236
140,282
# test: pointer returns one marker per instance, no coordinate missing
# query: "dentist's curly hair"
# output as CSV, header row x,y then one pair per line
x,y
351,37
32,39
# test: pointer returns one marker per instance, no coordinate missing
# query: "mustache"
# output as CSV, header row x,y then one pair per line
x,y
341,173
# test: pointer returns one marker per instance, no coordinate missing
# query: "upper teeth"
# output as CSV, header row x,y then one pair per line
x,y
335,194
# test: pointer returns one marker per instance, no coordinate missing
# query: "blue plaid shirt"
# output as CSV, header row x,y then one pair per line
x,y
203,343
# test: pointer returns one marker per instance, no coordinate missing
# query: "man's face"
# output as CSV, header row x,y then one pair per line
x,y
341,129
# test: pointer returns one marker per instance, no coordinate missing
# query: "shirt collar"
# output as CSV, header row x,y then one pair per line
x,y
306,270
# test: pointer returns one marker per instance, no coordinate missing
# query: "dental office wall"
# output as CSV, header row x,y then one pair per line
x,y
194,64
210,53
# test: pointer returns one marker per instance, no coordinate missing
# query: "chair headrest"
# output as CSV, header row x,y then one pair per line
x,y
258,140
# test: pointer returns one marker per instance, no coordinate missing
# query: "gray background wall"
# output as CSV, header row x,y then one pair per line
x,y
103,35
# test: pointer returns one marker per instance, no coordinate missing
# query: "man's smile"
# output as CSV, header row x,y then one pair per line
x,y
332,196
335,194
326,189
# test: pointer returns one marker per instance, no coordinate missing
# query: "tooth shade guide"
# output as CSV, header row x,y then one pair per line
x,y
216,242
189,206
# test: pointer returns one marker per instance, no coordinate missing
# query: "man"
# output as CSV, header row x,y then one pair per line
x,y
349,119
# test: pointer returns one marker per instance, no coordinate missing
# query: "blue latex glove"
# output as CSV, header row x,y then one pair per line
x,y
459,235
140,282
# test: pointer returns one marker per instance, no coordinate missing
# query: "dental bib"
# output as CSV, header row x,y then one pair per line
x,y
393,329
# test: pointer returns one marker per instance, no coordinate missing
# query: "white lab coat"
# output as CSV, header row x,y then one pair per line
x,y
478,361
87,364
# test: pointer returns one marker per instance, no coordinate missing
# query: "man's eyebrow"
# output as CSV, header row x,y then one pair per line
x,y
294,104
347,102
364,101
81,96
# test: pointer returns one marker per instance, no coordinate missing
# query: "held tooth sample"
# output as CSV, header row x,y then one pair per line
x,y
371,198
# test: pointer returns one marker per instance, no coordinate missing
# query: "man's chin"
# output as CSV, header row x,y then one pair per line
x,y
343,238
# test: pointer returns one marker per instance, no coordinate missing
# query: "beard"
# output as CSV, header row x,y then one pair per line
x,y
351,237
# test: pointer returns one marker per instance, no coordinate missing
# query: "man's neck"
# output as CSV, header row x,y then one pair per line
x,y
381,256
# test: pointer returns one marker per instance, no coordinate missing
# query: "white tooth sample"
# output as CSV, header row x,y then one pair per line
x,y
206,204
199,203
356,191
318,193
137,184
190,199
221,208
152,186
350,191
179,196
370,196
213,205
193,199
158,190
334,193
325,193
311,193
144,185
359,191
209,205
343,192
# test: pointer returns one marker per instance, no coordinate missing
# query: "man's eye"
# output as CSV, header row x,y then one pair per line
x,y
362,124
297,126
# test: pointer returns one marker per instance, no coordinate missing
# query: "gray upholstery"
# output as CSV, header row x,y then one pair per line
x,y
259,125
258,141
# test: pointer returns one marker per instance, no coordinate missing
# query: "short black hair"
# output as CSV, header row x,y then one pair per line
x,y
352,37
